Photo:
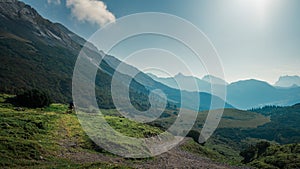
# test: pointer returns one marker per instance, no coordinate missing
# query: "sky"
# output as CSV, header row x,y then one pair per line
x,y
255,39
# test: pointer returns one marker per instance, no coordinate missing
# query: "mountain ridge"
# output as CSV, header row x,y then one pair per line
x,y
243,94
43,55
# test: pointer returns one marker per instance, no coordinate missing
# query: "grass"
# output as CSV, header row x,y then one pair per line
x,y
51,138
128,127
43,138
233,118
195,148
216,152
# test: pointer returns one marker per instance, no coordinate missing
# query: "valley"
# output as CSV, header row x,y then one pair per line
x,y
43,124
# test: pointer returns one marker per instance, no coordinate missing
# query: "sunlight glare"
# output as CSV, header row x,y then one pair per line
x,y
258,10
261,7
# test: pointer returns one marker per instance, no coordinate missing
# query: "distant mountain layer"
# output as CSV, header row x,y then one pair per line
x,y
253,93
190,83
288,81
36,53
242,94
173,94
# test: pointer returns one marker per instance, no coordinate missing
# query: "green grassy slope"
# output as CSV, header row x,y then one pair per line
x,y
50,138
231,118
221,143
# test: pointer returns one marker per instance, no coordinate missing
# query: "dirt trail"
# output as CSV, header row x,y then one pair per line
x,y
175,158
178,158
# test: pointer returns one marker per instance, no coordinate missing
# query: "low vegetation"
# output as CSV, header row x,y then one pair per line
x,y
44,138
33,99
266,156
49,137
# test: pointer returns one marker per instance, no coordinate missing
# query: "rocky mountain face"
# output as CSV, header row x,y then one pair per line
x,y
36,53
22,20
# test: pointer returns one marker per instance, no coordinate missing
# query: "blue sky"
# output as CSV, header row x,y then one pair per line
x,y
254,38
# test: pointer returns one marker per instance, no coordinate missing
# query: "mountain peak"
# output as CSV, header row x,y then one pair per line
x,y
12,9
23,21
252,82
179,75
288,81
214,79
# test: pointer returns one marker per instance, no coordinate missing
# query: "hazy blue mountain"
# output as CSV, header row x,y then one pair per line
x,y
190,83
183,82
253,93
36,53
215,80
244,94
288,81
173,94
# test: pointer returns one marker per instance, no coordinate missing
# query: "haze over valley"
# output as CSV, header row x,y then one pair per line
x,y
65,102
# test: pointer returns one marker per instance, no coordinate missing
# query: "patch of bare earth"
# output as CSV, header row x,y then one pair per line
x,y
175,158
178,158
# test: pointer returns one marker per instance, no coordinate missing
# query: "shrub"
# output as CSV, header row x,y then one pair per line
x,y
249,154
254,152
262,147
33,99
196,136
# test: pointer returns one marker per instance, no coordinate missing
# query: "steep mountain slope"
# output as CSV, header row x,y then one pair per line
x,y
36,53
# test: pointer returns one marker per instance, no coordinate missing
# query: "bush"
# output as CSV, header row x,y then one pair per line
x,y
254,152
249,154
33,99
195,136
262,147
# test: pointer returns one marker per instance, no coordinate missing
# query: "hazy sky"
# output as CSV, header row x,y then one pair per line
x,y
254,38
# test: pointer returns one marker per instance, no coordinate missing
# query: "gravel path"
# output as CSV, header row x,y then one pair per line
x,y
175,158
178,158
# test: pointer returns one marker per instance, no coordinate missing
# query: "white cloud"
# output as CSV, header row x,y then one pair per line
x,y
56,2
92,11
